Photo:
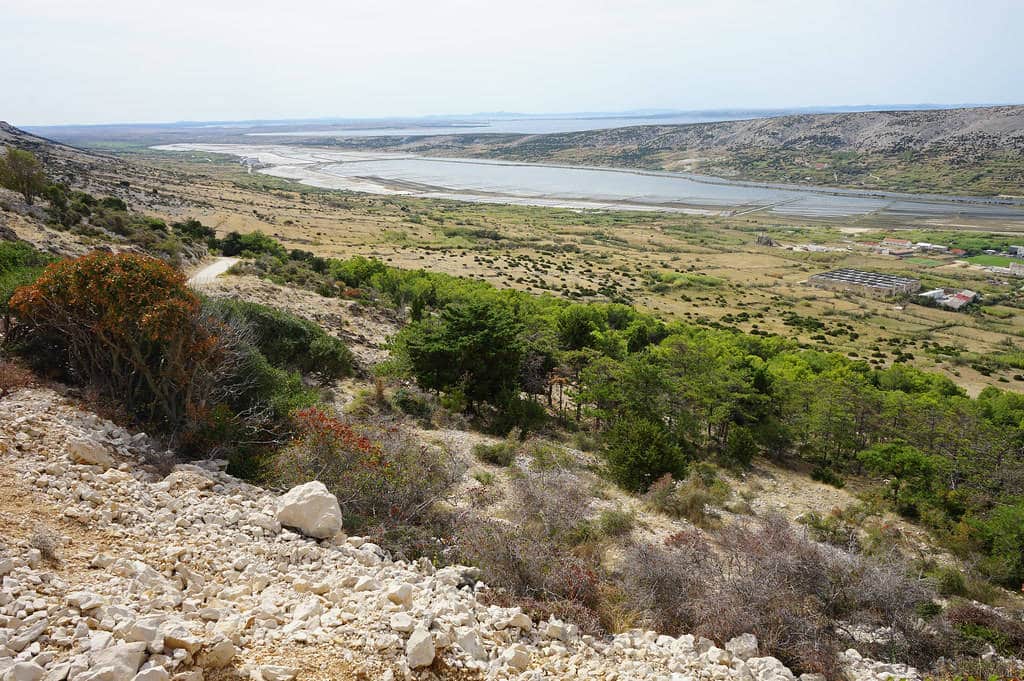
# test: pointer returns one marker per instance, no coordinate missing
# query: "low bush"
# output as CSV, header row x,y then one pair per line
x,y
615,522
412,402
828,476
497,454
126,324
693,498
14,375
766,578
530,555
20,265
379,474
640,451
251,245
287,341
984,626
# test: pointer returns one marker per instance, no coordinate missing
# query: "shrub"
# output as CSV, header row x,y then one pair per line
x,y
193,230
475,347
691,499
13,376
20,265
949,581
378,474
831,529
497,454
127,325
548,456
1001,536
638,451
980,626
615,522
530,555
827,476
251,245
740,448
287,341
769,580
412,403
22,172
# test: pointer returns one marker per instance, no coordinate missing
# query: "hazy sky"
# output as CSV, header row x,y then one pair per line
x,y
77,61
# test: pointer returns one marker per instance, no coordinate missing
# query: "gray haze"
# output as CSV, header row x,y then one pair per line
x,y
67,61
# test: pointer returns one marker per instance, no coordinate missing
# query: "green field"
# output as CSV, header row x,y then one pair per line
x,y
990,260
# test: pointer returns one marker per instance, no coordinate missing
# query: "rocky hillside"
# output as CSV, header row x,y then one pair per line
x,y
891,131
235,586
977,151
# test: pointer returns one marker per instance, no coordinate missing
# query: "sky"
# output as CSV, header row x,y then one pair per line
x,y
107,61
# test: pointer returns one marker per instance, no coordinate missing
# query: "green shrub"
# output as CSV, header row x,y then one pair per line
x,y
639,451
949,581
412,403
497,454
251,245
287,341
1001,536
827,476
740,448
548,456
20,265
615,522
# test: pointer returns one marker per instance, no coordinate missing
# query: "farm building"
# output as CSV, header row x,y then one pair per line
x,y
950,298
867,283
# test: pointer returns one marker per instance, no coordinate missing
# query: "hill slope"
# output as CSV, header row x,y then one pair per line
x,y
85,587
978,150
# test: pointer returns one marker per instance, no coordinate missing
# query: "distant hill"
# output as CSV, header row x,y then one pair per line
x,y
64,162
973,150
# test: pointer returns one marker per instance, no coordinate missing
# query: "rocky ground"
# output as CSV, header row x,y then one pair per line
x,y
112,570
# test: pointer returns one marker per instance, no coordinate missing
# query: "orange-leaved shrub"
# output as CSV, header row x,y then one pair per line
x,y
126,325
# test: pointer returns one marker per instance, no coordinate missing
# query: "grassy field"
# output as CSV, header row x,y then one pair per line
x,y
990,260
707,269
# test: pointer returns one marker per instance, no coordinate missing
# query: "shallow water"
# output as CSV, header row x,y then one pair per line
x,y
537,184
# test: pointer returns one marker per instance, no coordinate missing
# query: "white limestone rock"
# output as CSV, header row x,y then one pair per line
x,y
516,657
419,649
87,451
311,509
117,663
743,646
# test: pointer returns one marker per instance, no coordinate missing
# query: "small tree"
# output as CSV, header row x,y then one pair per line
x,y
910,471
638,451
476,347
22,172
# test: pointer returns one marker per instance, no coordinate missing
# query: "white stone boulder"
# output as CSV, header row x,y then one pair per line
x,y
218,656
311,509
25,671
89,452
517,657
419,649
152,674
743,646
118,663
